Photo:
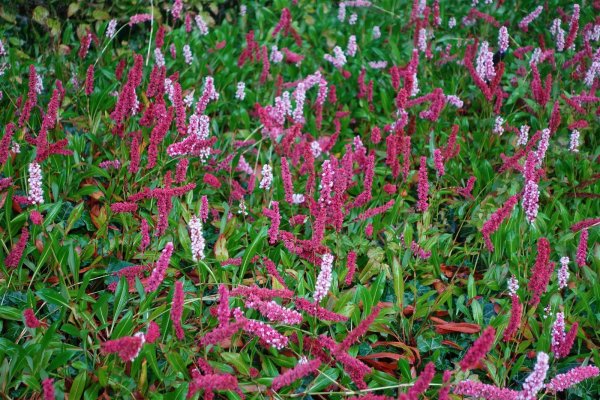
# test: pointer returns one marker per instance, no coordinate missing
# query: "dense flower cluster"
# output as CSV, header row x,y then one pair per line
x,y
197,238
535,381
158,273
310,148
36,192
564,381
478,350
127,348
563,272
324,278
541,271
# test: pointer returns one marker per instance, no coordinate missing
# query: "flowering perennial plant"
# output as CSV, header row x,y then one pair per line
x,y
204,165
197,238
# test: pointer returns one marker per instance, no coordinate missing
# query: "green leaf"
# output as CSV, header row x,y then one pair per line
x,y
76,213
404,368
124,327
250,251
73,8
54,26
120,301
10,313
40,15
150,352
177,363
428,344
398,281
78,386
471,291
324,379
53,297
100,15
237,361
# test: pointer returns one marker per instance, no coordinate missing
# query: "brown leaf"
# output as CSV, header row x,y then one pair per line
x,y
411,353
454,327
390,368
383,354
451,344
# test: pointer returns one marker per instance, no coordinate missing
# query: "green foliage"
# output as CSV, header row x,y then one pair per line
x,y
73,256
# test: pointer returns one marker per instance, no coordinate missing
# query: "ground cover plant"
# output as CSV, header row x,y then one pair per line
x,y
300,199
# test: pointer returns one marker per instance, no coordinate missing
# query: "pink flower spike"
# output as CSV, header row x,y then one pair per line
x,y
484,391
275,218
571,378
31,320
221,333
299,371
197,238
351,266
127,348
123,207
48,387
31,96
134,152
360,329
89,80
582,248
274,312
493,223
36,192
573,27
423,186
36,217
468,189
558,333
223,310
286,176
262,293
324,279
423,382
211,180
318,311
535,381
369,231
14,257
515,318
153,332
9,131
272,270
438,161
541,271
84,47
503,39
445,390
376,211
158,273
145,242
567,344
181,170
419,252
177,8
204,209
524,23
478,350
139,18
177,310
586,223
5,183
563,273
210,383
267,334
